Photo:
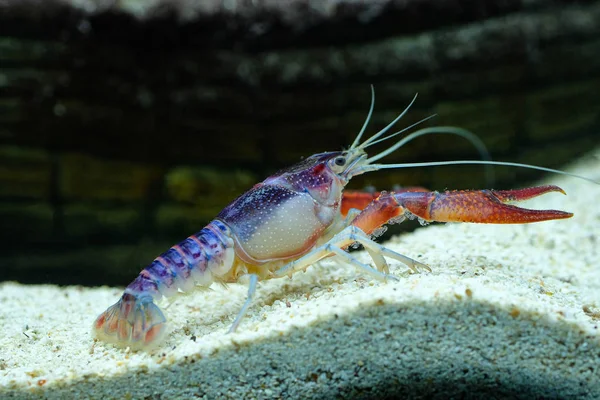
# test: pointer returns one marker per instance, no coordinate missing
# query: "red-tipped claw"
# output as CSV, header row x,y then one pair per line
x,y
480,206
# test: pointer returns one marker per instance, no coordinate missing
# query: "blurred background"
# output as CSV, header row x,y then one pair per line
x,y
126,125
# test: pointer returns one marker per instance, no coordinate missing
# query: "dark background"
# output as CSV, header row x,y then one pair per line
x,y
125,127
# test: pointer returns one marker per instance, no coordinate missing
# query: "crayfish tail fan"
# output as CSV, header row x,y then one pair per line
x,y
133,321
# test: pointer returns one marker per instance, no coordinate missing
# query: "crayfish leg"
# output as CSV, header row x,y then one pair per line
x,y
336,246
361,199
249,298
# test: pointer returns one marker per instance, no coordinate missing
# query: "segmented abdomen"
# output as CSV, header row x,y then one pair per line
x,y
194,260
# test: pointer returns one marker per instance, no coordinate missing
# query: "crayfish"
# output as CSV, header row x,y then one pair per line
x,y
299,216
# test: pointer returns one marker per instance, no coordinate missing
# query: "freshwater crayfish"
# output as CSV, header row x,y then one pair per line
x,y
299,216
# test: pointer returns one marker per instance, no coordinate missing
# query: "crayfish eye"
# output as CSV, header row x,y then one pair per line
x,y
339,161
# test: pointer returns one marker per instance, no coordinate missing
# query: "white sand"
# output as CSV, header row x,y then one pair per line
x,y
507,311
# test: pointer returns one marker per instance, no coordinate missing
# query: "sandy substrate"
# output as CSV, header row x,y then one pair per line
x,y
508,311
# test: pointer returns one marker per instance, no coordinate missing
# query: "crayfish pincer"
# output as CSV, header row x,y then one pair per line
x,y
299,216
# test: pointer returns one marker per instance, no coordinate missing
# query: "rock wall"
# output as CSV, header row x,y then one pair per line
x,y
127,125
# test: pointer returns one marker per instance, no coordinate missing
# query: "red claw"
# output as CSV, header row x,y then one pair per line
x,y
525,194
485,206
479,206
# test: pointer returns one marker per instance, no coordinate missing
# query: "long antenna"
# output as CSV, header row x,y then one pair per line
x,y
375,167
364,127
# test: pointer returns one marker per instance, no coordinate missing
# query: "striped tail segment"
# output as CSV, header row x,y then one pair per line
x,y
135,320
